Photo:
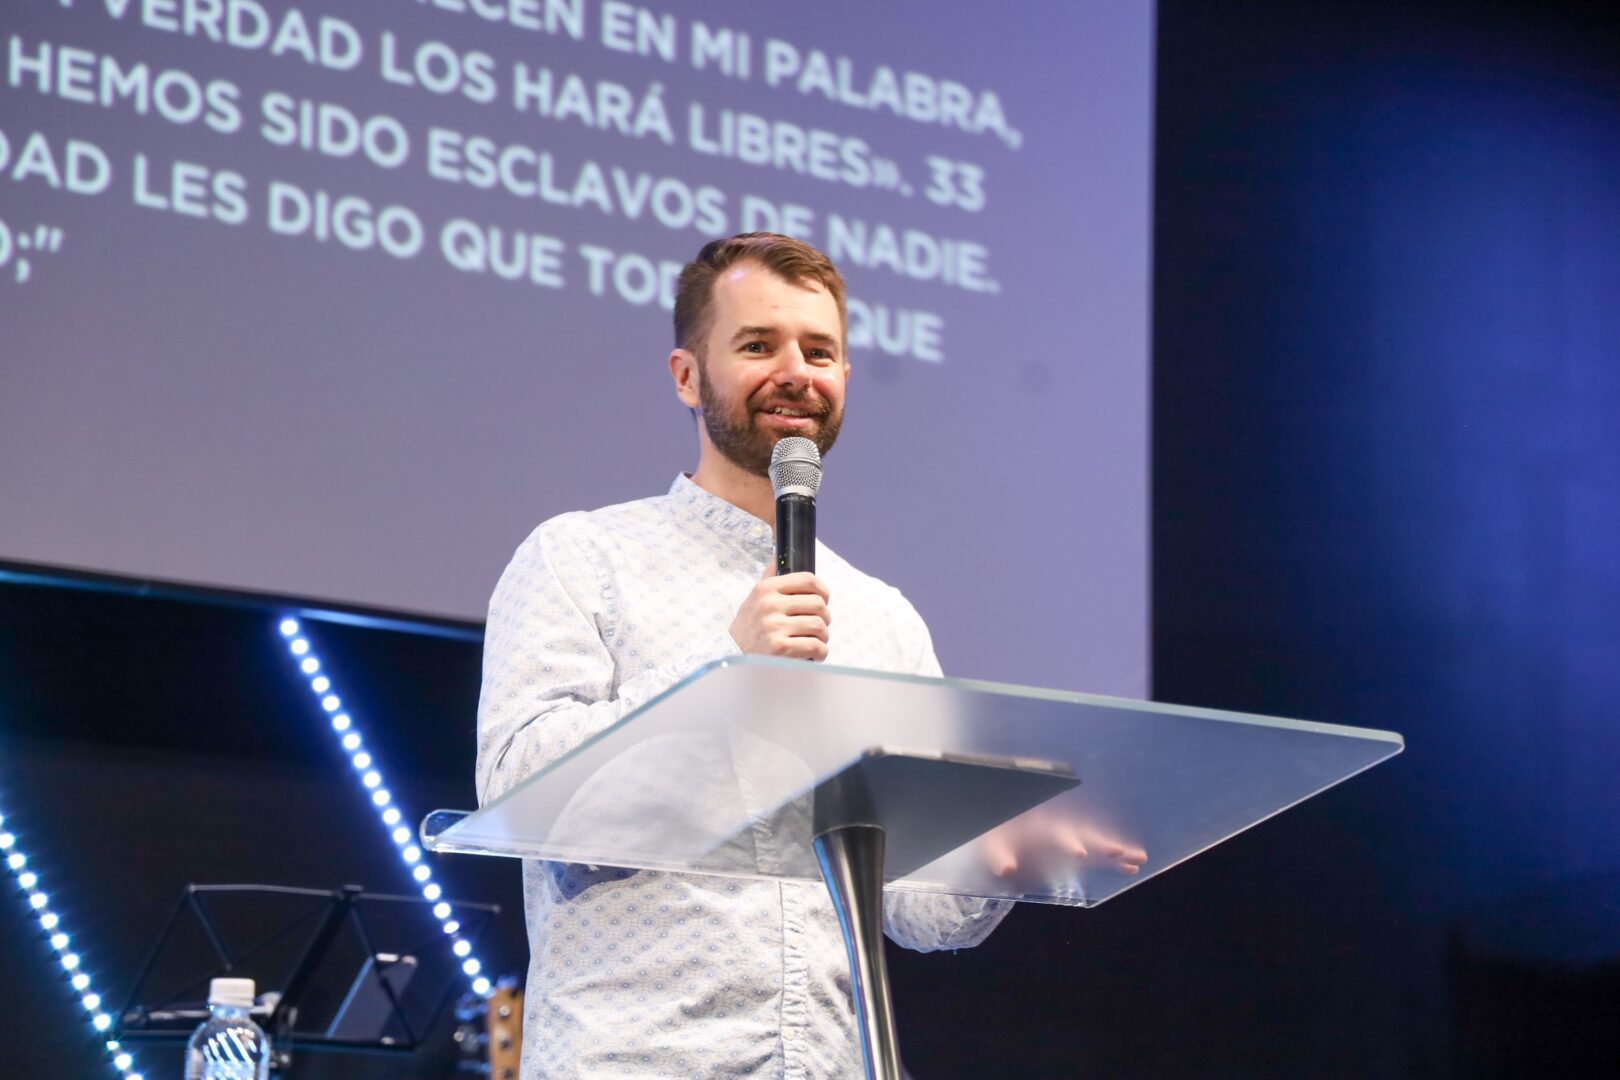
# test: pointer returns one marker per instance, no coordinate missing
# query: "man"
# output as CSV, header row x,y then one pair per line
x,y
657,974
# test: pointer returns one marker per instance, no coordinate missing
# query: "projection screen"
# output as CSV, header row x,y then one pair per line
x,y
340,300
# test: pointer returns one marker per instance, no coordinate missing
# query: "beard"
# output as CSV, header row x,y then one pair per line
x,y
736,435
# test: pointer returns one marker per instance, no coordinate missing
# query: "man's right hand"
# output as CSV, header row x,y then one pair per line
x,y
784,616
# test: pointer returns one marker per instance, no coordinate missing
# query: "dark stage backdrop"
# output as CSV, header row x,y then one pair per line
x,y
146,744
1387,492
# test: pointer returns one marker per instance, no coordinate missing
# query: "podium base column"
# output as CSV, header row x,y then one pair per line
x,y
851,858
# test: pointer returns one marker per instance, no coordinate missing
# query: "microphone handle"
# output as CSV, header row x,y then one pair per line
x,y
795,534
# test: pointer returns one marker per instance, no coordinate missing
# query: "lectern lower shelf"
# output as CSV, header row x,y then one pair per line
x,y
721,775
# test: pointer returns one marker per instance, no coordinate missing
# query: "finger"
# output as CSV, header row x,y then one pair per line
x,y
797,648
804,648
1068,841
805,604
802,582
797,630
999,854
798,626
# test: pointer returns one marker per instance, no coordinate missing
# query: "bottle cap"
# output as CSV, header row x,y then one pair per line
x,y
235,993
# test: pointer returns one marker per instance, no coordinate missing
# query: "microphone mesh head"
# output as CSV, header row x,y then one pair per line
x,y
795,467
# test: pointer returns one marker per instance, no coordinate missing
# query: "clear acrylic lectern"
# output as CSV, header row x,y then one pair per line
x,y
783,769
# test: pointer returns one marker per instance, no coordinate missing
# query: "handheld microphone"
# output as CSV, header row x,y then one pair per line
x,y
795,476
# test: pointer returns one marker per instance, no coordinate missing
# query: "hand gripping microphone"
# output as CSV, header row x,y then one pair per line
x,y
795,476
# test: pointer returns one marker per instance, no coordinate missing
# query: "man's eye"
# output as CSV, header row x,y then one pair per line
x,y
754,347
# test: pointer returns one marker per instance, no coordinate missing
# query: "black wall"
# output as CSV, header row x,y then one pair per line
x,y
1387,492
147,743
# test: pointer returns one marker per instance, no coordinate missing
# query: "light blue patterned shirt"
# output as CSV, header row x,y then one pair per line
x,y
644,973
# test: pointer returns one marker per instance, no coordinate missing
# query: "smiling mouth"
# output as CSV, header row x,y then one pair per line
x,y
786,417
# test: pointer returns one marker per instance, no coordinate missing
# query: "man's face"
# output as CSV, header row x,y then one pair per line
x,y
772,365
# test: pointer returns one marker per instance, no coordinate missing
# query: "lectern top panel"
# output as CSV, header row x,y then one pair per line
x,y
721,775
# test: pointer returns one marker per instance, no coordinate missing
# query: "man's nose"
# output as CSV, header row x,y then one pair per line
x,y
792,369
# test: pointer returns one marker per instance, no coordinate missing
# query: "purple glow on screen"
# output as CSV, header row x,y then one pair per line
x,y
325,307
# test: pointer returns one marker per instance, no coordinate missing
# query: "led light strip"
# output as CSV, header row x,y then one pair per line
x,y
348,735
39,903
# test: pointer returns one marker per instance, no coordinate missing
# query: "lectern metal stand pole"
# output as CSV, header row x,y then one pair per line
x,y
851,858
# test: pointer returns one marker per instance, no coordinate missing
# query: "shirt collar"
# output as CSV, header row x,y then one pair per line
x,y
719,514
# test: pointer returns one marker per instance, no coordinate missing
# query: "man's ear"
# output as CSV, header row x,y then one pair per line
x,y
683,368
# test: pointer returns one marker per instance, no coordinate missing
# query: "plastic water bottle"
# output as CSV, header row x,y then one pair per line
x,y
228,1045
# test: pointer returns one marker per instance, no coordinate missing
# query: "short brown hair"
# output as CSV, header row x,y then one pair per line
x,y
787,258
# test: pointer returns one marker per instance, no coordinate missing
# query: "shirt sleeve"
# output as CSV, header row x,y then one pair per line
x,y
549,678
928,922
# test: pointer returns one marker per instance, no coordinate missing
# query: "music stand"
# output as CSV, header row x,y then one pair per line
x,y
339,969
